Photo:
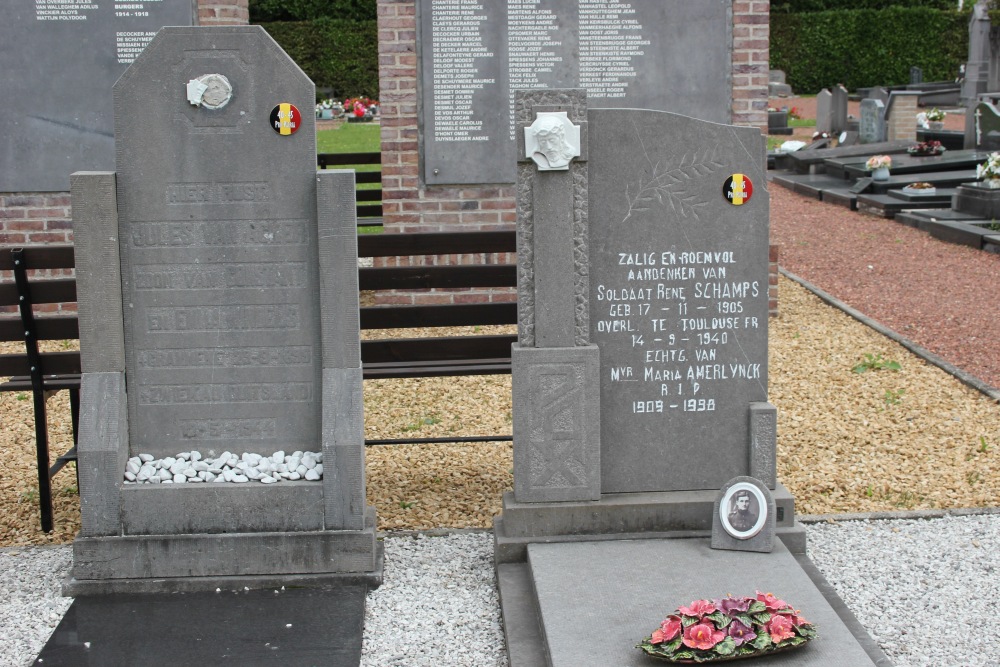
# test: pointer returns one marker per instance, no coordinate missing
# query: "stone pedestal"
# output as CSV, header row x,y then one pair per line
x,y
977,199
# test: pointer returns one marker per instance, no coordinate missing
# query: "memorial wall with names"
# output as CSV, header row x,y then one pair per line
x,y
667,55
58,62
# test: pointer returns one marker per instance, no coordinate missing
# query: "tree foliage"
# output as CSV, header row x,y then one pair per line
x,y
338,54
263,11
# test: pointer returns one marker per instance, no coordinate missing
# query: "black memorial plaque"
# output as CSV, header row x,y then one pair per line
x,y
667,55
58,62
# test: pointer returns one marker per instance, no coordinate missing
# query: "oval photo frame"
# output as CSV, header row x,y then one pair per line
x,y
729,506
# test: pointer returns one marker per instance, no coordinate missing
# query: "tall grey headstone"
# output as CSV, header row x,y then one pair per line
x,y
678,297
237,321
672,55
871,126
640,373
916,75
824,111
977,67
57,104
838,109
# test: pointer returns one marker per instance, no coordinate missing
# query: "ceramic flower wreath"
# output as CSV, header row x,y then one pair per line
x,y
727,629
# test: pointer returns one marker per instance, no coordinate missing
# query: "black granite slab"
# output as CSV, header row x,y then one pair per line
x,y
804,161
962,233
909,164
813,185
953,140
940,179
841,197
306,626
925,200
888,205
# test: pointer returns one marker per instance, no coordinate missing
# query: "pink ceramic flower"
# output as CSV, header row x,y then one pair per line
x,y
359,110
702,636
668,630
698,608
780,628
772,603
741,633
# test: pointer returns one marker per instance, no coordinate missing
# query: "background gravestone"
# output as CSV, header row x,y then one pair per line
x,y
986,127
916,75
57,103
838,109
239,331
871,126
824,111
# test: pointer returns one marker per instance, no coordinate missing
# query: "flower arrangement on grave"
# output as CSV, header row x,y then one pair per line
x,y
332,108
921,185
989,170
359,106
878,162
935,115
727,629
820,135
795,113
925,148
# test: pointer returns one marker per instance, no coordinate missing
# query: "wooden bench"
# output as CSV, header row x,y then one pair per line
x,y
430,356
41,372
369,199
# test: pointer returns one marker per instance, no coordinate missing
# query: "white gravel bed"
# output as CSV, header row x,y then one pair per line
x,y
926,590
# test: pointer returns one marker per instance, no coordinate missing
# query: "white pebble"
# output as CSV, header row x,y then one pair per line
x,y
319,469
179,478
146,458
196,456
312,475
239,479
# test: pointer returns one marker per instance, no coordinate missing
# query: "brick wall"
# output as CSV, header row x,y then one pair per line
x,y
44,217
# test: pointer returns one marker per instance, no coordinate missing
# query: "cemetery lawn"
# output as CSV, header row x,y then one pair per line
x,y
351,138
879,440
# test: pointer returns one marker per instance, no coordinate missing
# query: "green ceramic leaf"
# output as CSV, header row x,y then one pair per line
x,y
726,647
720,619
763,641
756,606
762,617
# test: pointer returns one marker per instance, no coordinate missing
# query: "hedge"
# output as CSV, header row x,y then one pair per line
x,y
866,47
264,11
337,54
802,6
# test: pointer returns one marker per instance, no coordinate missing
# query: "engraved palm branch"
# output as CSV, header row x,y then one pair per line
x,y
669,186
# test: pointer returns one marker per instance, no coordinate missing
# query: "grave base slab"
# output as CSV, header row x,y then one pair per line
x,y
617,516
168,563
272,626
590,603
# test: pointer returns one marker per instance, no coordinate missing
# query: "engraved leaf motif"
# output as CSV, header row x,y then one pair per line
x,y
668,186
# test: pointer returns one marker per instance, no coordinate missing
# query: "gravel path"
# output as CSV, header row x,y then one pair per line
x,y
930,604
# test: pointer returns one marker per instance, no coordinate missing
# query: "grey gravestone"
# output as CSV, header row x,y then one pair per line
x,y
976,81
239,331
57,103
776,84
881,94
642,277
916,75
824,101
986,127
871,126
672,55
678,298
838,109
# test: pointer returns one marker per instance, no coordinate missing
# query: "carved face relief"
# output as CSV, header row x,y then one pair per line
x,y
552,141
212,91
